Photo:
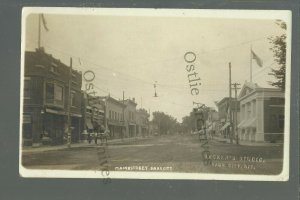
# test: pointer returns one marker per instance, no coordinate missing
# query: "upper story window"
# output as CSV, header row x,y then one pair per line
x,y
27,88
54,94
73,99
54,68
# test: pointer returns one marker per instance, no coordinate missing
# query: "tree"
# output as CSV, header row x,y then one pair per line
x,y
188,123
279,52
165,123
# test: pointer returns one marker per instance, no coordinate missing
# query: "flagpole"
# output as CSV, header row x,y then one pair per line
x,y
39,33
251,63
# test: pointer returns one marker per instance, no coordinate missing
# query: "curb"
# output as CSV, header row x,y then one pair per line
x,y
78,145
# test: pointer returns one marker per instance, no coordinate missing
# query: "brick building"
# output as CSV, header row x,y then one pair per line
x,y
46,100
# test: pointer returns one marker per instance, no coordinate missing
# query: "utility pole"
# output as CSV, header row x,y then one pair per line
x,y
69,133
235,87
230,109
124,127
39,29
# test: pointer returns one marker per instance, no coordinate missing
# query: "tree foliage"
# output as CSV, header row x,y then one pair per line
x,y
279,52
165,123
188,123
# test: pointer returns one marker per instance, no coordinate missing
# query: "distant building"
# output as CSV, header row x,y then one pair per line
x,y
93,114
130,117
46,100
142,122
224,115
212,121
114,113
262,113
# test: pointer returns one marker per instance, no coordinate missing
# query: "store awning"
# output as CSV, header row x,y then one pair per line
x,y
225,126
89,124
250,123
115,123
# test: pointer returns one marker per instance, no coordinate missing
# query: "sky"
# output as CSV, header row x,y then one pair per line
x,y
131,53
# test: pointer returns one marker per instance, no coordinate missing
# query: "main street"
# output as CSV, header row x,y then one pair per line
x,y
177,153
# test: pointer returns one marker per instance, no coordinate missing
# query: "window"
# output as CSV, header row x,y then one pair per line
x,y
254,108
110,114
54,94
73,99
54,68
50,92
248,110
27,88
58,93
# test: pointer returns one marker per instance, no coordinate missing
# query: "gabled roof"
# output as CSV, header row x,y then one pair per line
x,y
247,88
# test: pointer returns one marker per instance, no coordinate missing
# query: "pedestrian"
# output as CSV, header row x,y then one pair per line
x,y
89,138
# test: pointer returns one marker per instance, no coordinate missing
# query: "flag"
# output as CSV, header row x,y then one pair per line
x,y
256,58
44,22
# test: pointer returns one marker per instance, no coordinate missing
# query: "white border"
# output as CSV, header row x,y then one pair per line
x,y
284,15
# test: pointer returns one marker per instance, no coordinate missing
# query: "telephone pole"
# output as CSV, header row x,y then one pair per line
x,y
235,87
230,109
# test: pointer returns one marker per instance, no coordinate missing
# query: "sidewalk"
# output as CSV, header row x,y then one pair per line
x,y
246,143
82,144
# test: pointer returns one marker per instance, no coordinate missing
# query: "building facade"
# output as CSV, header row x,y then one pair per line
x,y
93,114
51,100
114,113
225,128
130,117
262,113
142,122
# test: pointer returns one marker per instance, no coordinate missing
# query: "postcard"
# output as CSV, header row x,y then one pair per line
x,y
155,93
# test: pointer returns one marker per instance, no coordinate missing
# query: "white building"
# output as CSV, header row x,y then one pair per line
x,y
262,113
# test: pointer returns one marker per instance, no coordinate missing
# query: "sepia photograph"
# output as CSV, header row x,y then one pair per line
x,y
155,94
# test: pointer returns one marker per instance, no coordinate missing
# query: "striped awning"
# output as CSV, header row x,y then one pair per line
x,y
250,123
225,126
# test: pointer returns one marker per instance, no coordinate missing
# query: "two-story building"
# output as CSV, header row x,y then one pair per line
x,y
114,112
49,107
142,122
93,114
262,113
130,117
